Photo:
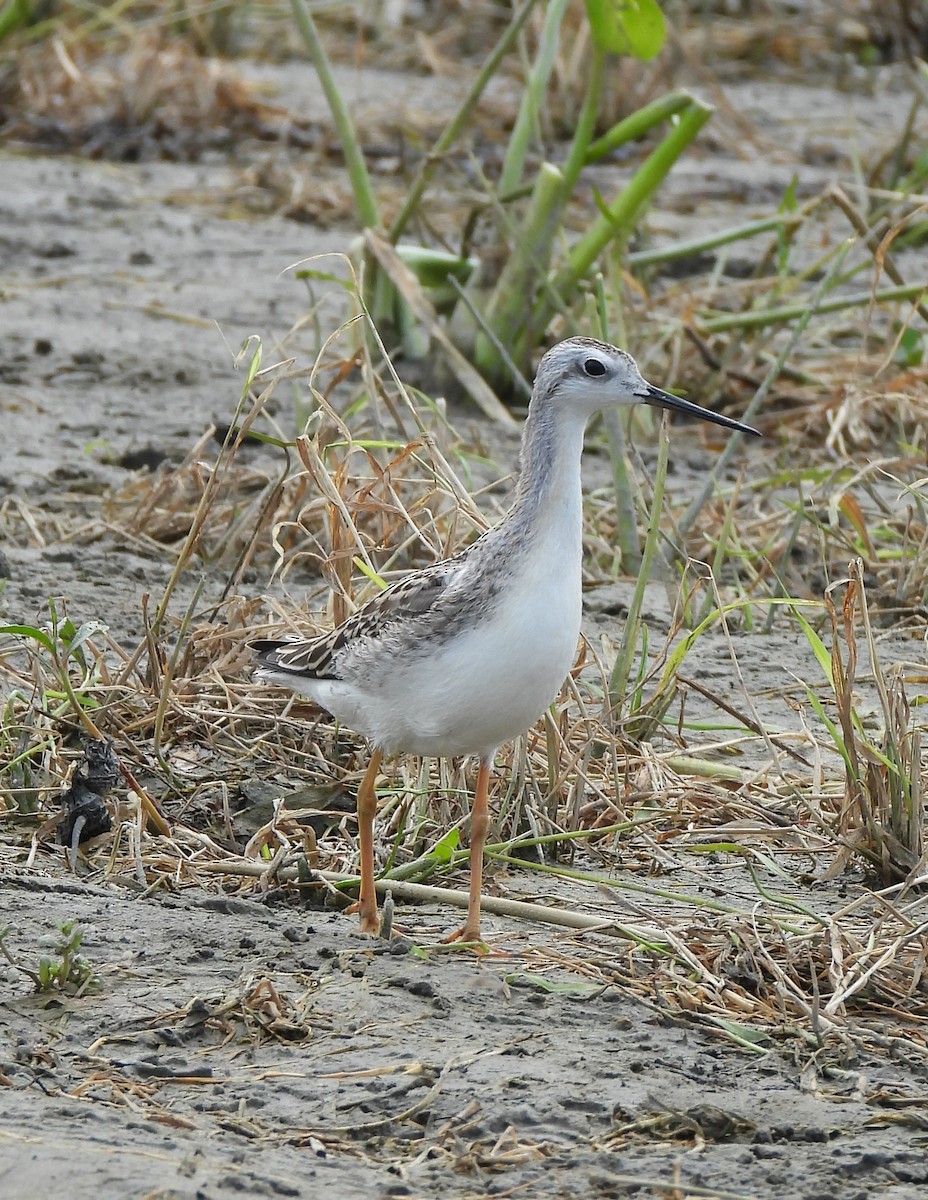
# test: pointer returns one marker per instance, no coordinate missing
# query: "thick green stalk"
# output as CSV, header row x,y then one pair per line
x,y
510,305
615,224
354,159
621,214
626,514
639,123
532,98
626,510
579,154
792,312
662,254
13,15
458,122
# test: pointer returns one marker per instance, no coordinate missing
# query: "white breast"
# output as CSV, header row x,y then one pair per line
x,y
485,686
470,690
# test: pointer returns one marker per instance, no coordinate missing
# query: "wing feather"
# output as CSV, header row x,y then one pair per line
x,y
315,657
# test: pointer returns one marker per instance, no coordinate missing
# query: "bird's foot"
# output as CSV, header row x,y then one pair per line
x,y
468,935
368,916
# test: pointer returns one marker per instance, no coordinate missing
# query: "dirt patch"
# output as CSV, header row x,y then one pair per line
x,y
239,1048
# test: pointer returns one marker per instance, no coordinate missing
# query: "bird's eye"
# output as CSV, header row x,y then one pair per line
x,y
594,366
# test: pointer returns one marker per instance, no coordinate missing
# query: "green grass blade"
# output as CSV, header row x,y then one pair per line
x,y
365,202
458,122
639,123
618,678
819,649
527,121
30,631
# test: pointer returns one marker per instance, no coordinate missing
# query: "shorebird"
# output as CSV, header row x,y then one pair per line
x,y
465,655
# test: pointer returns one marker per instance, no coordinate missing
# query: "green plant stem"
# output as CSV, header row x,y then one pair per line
x,y
14,14
724,237
629,885
623,479
532,98
288,870
616,222
687,764
520,385
871,239
510,304
60,654
354,159
790,312
639,123
618,678
626,514
642,185
507,319
578,155
458,122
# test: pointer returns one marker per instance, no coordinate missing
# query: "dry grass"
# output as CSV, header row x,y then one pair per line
x,y
251,789
158,100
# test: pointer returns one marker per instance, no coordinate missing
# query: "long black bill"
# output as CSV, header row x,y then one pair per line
x,y
661,399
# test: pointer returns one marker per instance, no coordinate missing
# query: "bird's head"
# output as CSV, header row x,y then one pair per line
x,y
586,375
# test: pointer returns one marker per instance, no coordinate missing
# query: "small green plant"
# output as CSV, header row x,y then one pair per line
x,y
15,14
64,970
64,644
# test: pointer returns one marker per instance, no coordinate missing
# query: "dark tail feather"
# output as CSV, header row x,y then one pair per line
x,y
264,649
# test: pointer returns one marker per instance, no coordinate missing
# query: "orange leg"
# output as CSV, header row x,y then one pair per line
x,y
367,810
478,838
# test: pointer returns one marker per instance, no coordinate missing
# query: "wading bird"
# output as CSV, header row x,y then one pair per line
x,y
460,657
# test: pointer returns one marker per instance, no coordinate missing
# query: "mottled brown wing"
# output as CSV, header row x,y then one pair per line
x,y
409,597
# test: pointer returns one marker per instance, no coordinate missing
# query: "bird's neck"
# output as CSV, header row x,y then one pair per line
x,y
548,495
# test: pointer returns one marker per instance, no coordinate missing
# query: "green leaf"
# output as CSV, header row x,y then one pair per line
x,y
603,207
79,636
445,847
633,27
265,438
29,631
432,267
46,972
253,344
321,277
716,848
542,984
790,201
365,443
768,861
741,1033
369,572
911,349
85,701
66,630
819,649
836,735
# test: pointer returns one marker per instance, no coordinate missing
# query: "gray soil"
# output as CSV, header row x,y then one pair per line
x,y
239,1048
393,1075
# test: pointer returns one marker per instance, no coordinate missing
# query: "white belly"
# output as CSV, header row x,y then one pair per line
x,y
484,687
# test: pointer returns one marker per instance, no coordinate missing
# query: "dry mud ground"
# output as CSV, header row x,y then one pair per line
x,y
379,1072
